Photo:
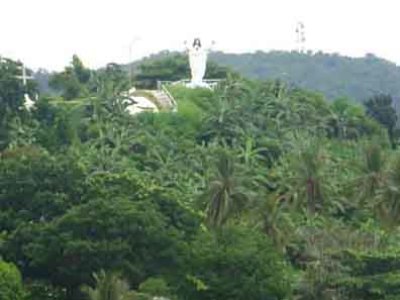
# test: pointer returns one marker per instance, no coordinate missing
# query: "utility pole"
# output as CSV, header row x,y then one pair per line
x,y
134,40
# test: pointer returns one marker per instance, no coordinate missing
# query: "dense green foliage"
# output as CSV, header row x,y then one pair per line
x,y
73,80
10,282
235,263
254,190
331,74
380,108
108,287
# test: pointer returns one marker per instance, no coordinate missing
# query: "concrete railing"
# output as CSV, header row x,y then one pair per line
x,y
211,82
164,89
162,86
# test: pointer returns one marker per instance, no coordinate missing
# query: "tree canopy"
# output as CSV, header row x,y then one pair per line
x,y
10,282
252,190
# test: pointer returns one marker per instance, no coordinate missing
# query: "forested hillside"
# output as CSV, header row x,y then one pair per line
x,y
332,74
256,190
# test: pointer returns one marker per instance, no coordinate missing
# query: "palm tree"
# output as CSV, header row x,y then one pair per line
x,y
225,123
308,178
275,221
388,199
373,173
249,153
111,99
224,195
109,286
345,118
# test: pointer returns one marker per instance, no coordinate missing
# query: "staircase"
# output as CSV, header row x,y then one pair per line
x,y
164,100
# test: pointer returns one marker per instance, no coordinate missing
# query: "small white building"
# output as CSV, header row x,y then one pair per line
x,y
141,104
138,104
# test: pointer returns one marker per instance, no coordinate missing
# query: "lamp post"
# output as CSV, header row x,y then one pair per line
x,y
133,41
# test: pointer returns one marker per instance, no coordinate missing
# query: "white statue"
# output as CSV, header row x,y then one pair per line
x,y
198,62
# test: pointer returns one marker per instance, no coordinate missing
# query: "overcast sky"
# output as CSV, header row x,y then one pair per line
x,y
46,33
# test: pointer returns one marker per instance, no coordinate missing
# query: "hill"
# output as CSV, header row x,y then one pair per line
x,y
255,190
332,74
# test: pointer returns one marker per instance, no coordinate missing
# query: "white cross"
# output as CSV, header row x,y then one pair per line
x,y
28,103
24,76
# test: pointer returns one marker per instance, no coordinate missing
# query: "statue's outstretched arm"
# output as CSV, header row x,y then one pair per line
x,y
187,48
211,48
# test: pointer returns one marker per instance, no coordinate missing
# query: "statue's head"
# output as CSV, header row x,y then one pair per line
x,y
197,43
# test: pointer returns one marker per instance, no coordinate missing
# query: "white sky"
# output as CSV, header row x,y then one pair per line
x,y
46,33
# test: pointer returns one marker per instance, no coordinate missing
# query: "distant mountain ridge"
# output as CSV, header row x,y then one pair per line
x,y
332,74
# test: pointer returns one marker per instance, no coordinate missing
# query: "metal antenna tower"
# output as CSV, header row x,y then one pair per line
x,y
300,37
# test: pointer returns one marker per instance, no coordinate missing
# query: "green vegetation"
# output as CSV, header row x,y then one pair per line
x,y
380,107
10,282
331,74
72,80
108,287
256,190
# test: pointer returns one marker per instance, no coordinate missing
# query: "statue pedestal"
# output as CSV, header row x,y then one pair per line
x,y
194,85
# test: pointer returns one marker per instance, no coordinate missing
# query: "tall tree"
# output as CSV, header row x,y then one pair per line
x,y
224,195
388,198
81,72
306,185
380,107
235,263
72,82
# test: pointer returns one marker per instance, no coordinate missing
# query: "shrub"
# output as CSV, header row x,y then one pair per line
x,y
10,282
